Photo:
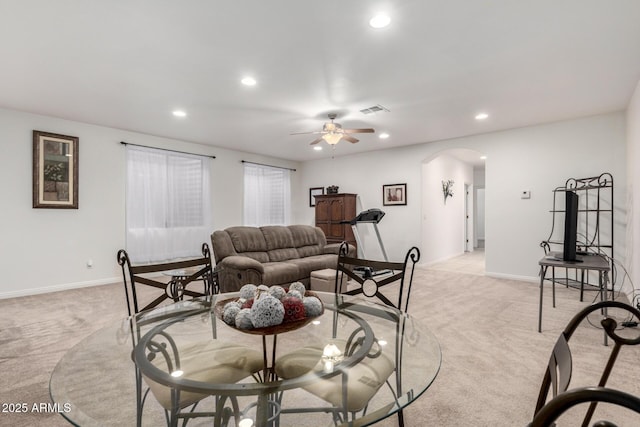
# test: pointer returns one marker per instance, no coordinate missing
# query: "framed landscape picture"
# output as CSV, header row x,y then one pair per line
x,y
394,194
315,191
55,171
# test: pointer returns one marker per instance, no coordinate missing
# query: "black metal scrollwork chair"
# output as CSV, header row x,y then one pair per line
x,y
558,373
177,274
202,360
350,393
550,412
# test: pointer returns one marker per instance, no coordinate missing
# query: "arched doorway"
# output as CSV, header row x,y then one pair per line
x,y
452,224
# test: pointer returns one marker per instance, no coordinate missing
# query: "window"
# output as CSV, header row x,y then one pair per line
x,y
167,204
267,195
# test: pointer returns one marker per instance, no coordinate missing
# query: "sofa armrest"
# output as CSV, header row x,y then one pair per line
x,y
238,262
236,271
334,248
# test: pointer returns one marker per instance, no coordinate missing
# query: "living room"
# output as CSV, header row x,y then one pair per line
x,y
49,250
67,239
535,156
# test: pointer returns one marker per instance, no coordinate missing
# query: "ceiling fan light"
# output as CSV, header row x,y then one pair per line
x,y
331,127
332,138
379,21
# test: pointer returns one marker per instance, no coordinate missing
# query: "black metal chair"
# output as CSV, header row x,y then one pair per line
x,y
173,279
371,276
177,276
558,373
550,412
349,393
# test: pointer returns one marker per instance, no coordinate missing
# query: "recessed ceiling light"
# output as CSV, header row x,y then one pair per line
x,y
483,157
179,113
248,81
317,148
379,21
384,135
481,116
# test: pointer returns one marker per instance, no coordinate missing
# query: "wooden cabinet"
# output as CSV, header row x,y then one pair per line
x,y
331,211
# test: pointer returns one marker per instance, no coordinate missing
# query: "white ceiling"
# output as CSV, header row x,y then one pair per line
x,y
128,64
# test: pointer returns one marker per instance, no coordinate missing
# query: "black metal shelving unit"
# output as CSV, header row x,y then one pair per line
x,y
595,223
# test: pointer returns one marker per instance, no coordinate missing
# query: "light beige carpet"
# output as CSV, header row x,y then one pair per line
x,y
493,358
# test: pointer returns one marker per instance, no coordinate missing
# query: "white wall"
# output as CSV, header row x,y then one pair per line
x,y
365,175
478,198
443,223
479,215
47,249
633,187
536,158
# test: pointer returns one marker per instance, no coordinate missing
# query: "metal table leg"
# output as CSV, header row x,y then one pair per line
x,y
543,272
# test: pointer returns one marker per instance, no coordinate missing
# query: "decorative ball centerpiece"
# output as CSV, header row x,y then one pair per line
x,y
270,310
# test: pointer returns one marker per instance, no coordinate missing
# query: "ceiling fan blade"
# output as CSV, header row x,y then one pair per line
x,y
315,141
304,133
350,139
359,130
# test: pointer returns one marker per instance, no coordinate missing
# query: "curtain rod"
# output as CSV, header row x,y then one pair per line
x,y
166,149
271,166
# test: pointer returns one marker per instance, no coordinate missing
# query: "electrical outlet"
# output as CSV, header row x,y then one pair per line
x,y
89,263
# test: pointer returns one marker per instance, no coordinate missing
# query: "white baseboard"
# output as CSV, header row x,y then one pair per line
x,y
512,277
57,288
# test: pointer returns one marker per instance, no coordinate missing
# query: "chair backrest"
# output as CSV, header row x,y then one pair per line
x,y
373,275
558,374
564,401
173,283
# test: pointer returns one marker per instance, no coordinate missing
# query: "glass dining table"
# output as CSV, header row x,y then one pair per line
x,y
96,379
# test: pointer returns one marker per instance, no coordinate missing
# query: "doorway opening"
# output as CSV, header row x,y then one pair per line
x,y
453,225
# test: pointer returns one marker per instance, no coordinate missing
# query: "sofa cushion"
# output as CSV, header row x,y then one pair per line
x,y
280,273
307,240
312,263
305,235
282,254
249,241
277,237
279,243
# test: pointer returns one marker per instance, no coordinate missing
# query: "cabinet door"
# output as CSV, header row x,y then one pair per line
x,y
336,210
336,214
322,210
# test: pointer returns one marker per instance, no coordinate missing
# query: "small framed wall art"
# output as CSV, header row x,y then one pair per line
x,y
55,171
394,194
315,191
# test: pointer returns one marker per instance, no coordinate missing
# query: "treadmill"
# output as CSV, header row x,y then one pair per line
x,y
371,216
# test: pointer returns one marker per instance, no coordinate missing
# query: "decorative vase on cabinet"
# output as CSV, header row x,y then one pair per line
x,y
333,213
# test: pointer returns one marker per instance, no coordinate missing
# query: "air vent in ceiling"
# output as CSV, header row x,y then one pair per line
x,y
375,109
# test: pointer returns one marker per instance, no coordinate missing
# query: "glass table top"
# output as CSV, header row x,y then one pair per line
x,y
97,376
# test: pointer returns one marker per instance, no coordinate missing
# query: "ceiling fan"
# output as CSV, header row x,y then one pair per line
x,y
333,132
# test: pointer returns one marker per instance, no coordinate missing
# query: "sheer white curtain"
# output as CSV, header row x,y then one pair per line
x,y
267,195
168,204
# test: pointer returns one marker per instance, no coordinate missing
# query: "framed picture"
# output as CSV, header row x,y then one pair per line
x,y
394,194
55,171
315,191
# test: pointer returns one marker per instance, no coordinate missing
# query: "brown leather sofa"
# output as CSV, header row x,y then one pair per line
x,y
271,255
